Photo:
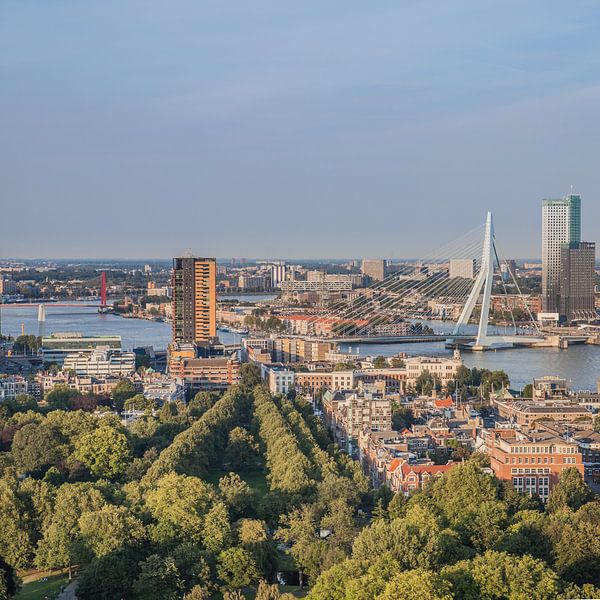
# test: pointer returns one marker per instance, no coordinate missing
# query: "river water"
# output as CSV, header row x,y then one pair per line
x,y
579,364
87,320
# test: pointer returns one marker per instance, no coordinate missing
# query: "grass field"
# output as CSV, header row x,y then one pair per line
x,y
255,479
39,589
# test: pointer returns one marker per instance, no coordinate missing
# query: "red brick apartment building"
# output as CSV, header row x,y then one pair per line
x,y
532,461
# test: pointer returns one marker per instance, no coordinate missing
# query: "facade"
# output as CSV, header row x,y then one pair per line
x,y
465,268
300,350
405,477
313,382
317,285
524,302
526,413
12,386
7,286
443,369
85,385
279,379
373,268
347,415
101,362
57,346
561,224
532,461
577,274
155,290
278,274
253,282
194,300
205,373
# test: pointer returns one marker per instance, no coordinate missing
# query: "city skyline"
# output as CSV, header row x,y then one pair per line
x,y
300,129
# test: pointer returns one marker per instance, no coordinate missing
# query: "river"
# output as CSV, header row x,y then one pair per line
x,y
580,364
87,320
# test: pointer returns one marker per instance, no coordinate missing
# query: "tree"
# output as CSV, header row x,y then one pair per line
x,y
343,366
416,585
398,363
60,396
121,392
250,375
110,576
528,391
497,575
380,362
179,503
242,449
36,446
109,529
159,579
58,547
237,568
300,529
26,344
139,402
9,583
570,491
236,493
426,383
201,402
216,530
105,451
17,538
254,537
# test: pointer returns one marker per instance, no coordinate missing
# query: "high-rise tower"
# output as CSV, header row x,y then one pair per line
x,y
194,300
561,224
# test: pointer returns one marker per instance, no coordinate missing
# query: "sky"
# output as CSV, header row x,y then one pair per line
x,y
292,129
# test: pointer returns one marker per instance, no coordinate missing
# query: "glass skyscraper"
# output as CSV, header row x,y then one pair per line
x,y
561,224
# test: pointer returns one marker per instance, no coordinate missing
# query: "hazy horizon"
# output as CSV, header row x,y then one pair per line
x,y
149,128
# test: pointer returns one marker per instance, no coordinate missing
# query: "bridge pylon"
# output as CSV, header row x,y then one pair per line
x,y
483,285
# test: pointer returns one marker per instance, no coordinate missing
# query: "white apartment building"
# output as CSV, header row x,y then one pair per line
x,y
279,380
101,362
12,386
443,369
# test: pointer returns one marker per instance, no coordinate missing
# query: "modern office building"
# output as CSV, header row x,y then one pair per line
x,y
102,362
577,264
561,224
373,268
194,300
463,267
57,346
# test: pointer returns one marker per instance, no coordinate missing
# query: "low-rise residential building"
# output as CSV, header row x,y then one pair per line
x,y
279,379
100,386
406,477
12,386
347,414
101,362
313,382
525,413
531,461
216,373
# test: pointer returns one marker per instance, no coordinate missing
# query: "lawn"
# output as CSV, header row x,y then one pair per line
x,y
255,479
40,588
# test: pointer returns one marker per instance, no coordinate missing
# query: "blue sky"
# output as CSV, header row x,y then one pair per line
x,y
296,129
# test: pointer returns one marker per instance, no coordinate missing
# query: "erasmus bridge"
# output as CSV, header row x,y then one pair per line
x,y
455,306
